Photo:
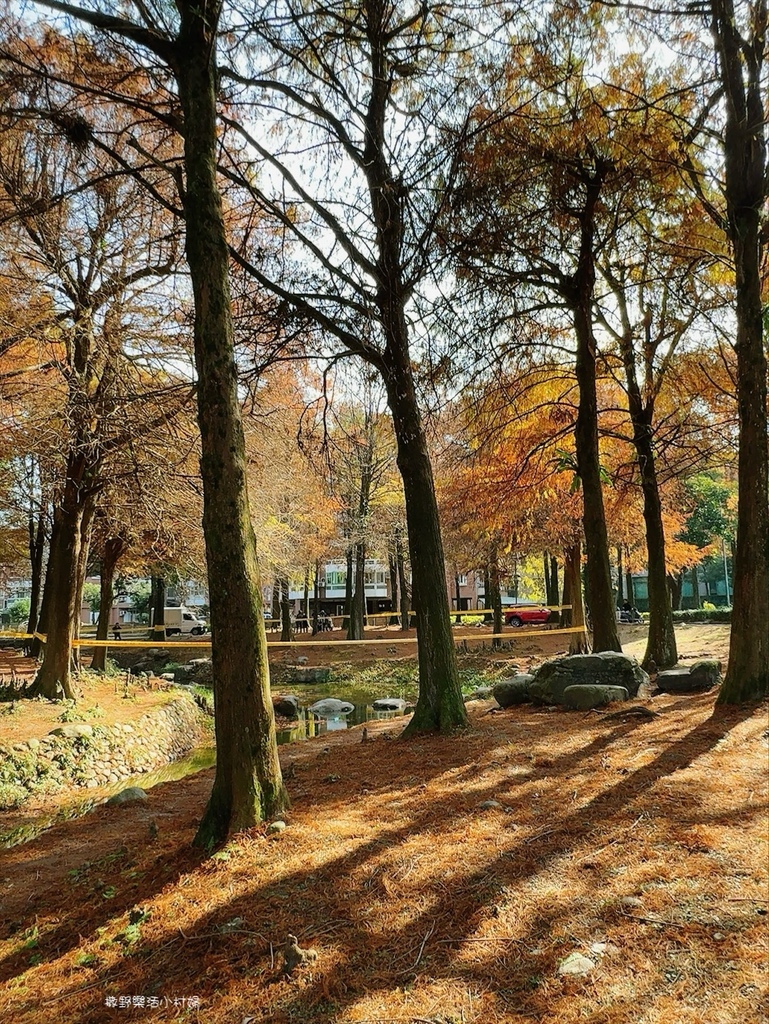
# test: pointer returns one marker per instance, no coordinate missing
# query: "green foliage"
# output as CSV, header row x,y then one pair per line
x,y
703,615
86,959
139,594
710,516
92,596
11,796
73,713
471,679
16,612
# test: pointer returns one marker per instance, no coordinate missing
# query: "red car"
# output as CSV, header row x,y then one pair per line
x,y
526,615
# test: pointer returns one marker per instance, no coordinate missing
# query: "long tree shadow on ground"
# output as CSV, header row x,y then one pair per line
x,y
368,957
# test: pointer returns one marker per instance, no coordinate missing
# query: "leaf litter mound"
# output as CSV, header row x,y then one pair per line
x,y
639,842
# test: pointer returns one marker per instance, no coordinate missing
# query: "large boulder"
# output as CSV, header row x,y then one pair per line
x,y
706,673
609,668
131,795
287,706
302,674
330,707
508,692
698,677
589,695
389,704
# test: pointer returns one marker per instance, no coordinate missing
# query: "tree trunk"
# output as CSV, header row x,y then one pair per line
x,y
578,644
439,706
36,647
402,581
86,523
248,785
113,549
158,609
348,587
53,679
307,593
393,565
566,618
496,596
695,581
275,609
358,600
620,584
743,78
287,629
36,552
548,578
316,600
598,571
630,588
556,594
675,586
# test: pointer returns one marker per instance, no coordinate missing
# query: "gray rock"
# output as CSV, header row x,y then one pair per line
x,y
302,674
587,696
286,705
480,693
698,677
389,704
131,795
576,963
508,692
72,731
330,706
276,826
302,659
490,805
608,668
707,671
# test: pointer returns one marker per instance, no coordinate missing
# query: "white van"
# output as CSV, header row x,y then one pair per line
x,y
182,620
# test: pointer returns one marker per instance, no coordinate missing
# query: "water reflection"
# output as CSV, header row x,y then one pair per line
x,y
309,725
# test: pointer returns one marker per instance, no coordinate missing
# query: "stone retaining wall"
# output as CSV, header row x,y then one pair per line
x,y
90,756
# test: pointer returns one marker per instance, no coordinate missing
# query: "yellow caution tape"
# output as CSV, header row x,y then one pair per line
x,y
326,643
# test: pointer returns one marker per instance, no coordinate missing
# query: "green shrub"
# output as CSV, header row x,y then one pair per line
x,y
11,796
703,615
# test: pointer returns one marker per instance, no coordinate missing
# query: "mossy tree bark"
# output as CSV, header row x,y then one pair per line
x,y
741,71
36,552
661,643
248,785
439,706
64,574
579,294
